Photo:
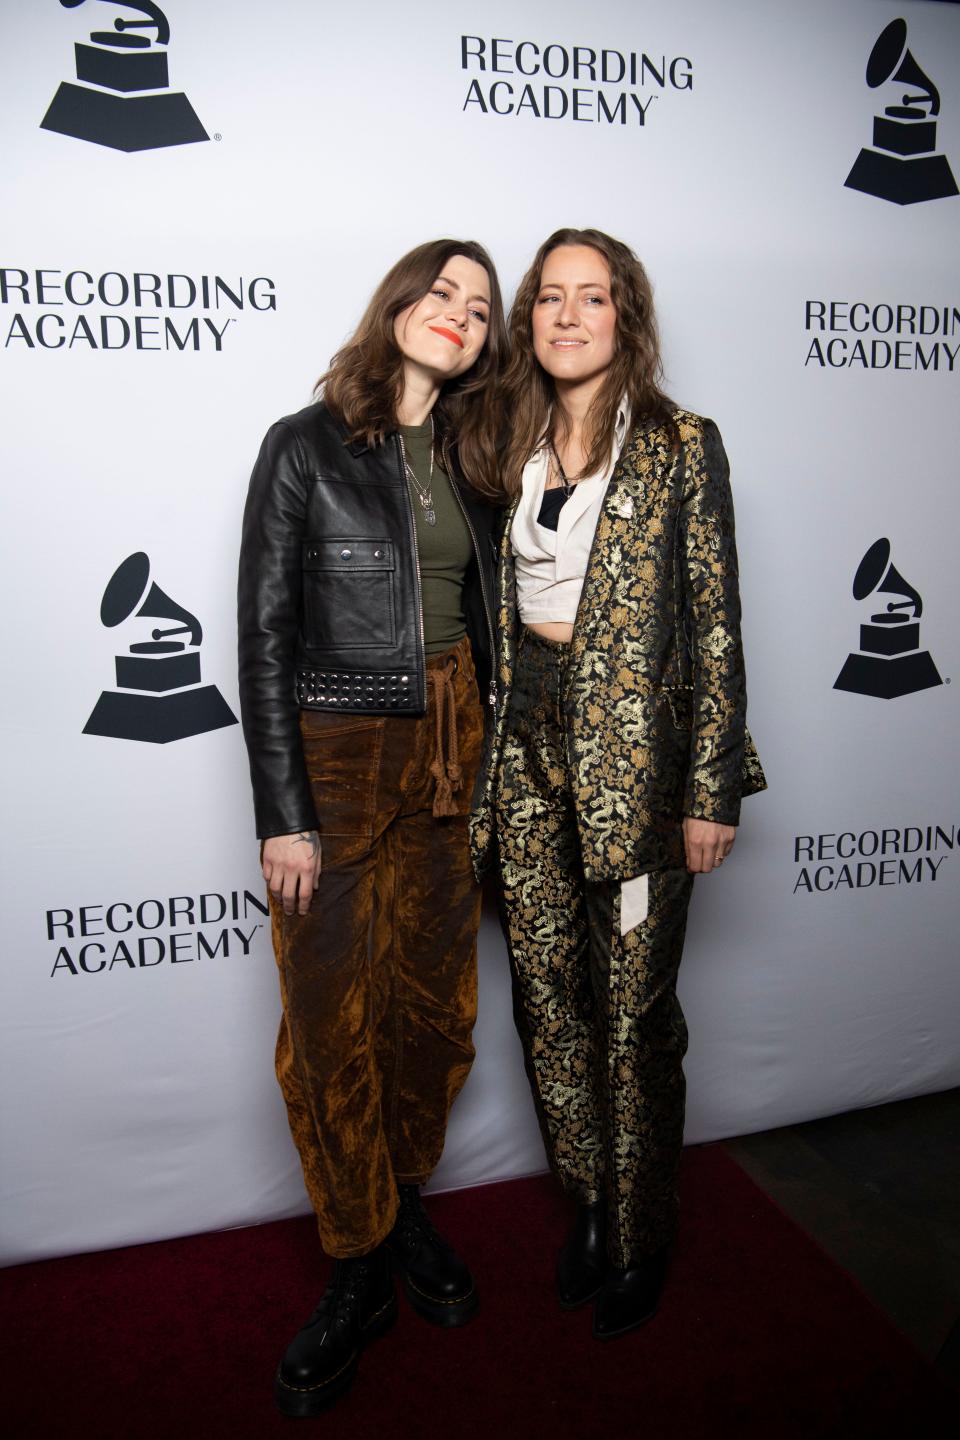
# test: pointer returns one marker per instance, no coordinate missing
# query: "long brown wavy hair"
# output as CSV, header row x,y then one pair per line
x,y
364,383
527,391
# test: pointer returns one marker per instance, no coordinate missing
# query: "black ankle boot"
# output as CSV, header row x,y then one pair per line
x,y
582,1263
321,1361
629,1297
438,1284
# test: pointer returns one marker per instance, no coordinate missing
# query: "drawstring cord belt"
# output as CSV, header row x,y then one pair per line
x,y
446,772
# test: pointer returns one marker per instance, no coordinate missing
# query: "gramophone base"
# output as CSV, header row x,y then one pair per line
x,y
158,719
158,672
143,122
905,182
888,679
132,70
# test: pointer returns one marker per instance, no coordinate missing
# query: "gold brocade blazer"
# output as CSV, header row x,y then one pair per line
x,y
655,697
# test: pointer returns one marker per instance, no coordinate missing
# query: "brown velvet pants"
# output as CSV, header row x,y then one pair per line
x,y
379,979
603,1032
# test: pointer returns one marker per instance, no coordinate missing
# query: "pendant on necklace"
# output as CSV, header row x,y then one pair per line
x,y
426,503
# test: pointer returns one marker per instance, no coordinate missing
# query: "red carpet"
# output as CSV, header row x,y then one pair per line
x,y
759,1335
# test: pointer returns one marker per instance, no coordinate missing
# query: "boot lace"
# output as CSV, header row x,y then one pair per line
x,y
415,1225
347,1289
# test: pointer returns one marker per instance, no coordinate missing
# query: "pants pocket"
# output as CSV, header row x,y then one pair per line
x,y
342,754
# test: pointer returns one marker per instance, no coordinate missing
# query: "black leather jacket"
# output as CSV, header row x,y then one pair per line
x,y
329,598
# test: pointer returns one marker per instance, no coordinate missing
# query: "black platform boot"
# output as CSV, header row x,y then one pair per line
x,y
629,1297
582,1263
321,1361
438,1284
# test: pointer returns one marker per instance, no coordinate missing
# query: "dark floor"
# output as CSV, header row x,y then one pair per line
x,y
880,1192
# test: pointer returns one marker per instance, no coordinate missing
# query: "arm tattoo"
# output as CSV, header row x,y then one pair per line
x,y
311,838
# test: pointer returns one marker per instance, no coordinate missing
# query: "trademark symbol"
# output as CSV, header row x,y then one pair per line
x,y
218,136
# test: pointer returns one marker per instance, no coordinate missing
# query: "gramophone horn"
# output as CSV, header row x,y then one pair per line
x,y
125,588
871,568
124,592
159,604
890,59
157,18
911,74
893,583
875,572
886,53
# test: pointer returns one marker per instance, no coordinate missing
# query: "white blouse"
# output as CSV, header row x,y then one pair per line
x,y
551,564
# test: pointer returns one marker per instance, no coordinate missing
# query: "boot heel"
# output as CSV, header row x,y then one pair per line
x,y
582,1263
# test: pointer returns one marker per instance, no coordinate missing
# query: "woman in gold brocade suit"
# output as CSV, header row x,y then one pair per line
x,y
619,754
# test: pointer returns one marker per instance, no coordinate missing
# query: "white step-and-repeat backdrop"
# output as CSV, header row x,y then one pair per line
x,y
196,204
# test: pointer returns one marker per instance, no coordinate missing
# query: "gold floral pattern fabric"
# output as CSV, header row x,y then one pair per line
x,y
598,751
602,1028
654,695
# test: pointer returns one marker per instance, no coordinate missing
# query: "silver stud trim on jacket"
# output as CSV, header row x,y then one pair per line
x,y
339,689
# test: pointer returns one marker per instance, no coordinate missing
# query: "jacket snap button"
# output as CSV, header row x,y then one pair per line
x,y
345,554
378,554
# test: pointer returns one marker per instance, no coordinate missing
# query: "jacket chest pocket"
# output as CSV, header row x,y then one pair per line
x,y
348,594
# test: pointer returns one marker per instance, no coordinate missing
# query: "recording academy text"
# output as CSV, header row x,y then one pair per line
x,y
568,82
861,860
857,335
95,939
112,310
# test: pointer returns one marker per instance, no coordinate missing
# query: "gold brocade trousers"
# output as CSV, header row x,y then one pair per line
x,y
602,1028
379,979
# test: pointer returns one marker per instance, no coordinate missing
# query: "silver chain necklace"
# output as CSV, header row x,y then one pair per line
x,y
424,493
567,482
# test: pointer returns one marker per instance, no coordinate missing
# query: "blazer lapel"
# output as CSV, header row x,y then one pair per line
x,y
507,617
630,497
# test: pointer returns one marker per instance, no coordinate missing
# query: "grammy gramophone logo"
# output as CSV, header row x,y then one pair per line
x,y
159,696
124,100
903,165
890,662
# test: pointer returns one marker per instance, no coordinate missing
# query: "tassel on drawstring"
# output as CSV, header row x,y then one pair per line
x,y
447,772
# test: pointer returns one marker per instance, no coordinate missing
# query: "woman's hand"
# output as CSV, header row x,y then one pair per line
x,y
706,843
291,868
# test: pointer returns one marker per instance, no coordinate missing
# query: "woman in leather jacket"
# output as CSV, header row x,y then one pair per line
x,y
619,754
364,624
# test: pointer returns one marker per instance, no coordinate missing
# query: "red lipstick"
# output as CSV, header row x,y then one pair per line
x,y
447,334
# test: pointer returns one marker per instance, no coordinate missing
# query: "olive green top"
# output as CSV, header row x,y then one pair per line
x,y
445,548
